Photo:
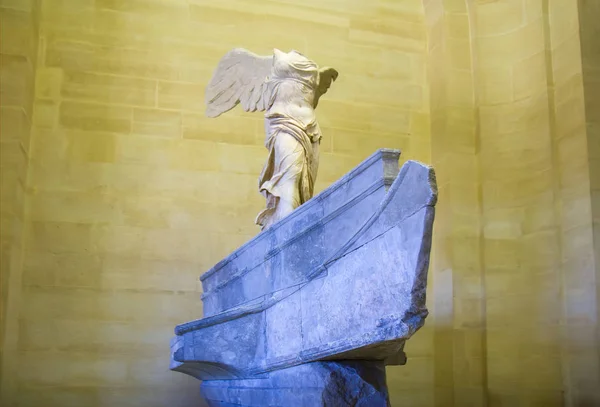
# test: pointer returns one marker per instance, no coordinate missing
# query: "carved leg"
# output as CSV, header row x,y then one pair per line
x,y
282,189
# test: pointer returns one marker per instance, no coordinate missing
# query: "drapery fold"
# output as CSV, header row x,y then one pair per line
x,y
291,167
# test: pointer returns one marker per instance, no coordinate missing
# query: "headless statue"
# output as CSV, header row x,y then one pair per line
x,y
287,86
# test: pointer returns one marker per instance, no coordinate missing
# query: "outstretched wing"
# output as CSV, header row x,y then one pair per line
x,y
326,76
240,78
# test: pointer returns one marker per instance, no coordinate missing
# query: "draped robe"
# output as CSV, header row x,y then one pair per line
x,y
292,137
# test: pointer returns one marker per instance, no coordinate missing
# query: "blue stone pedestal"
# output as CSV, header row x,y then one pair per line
x,y
317,384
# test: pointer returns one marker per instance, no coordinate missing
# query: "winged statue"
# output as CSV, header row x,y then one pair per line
x,y
287,87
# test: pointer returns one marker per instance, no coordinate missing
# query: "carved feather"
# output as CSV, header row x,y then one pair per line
x,y
240,77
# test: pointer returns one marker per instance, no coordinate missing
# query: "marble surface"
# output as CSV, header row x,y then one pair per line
x,y
287,86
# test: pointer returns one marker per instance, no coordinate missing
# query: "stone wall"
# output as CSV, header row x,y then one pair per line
x,y
134,192
456,273
590,60
514,281
18,52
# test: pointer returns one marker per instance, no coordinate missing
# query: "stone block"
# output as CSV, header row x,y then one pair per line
x,y
340,115
570,127
460,87
128,272
17,32
495,85
563,22
499,17
78,303
347,141
95,147
510,47
14,125
45,114
31,396
60,237
175,11
469,313
156,122
105,53
420,374
44,368
460,54
66,270
70,206
457,25
93,117
240,159
48,83
541,372
238,129
336,384
530,76
471,371
540,249
418,397
171,392
21,5
143,150
91,87
181,96
16,81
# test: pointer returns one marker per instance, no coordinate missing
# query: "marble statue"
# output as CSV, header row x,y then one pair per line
x,y
287,86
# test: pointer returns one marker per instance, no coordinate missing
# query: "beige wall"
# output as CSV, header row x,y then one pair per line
x,y
18,52
133,193
456,272
590,58
515,304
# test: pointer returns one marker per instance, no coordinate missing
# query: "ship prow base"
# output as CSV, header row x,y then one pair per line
x,y
341,278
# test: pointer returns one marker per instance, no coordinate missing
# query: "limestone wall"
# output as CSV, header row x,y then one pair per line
x,y
456,273
18,51
134,193
515,303
590,59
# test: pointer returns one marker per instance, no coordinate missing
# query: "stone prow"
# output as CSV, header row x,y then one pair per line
x,y
363,301
280,256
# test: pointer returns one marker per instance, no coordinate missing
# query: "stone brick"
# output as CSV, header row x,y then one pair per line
x,y
45,114
181,96
237,129
48,83
157,122
507,48
18,31
108,89
92,117
92,147
16,81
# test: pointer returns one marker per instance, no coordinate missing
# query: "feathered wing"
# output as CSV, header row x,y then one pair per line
x,y
240,78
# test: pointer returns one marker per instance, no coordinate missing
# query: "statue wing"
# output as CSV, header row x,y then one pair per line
x,y
240,78
326,77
